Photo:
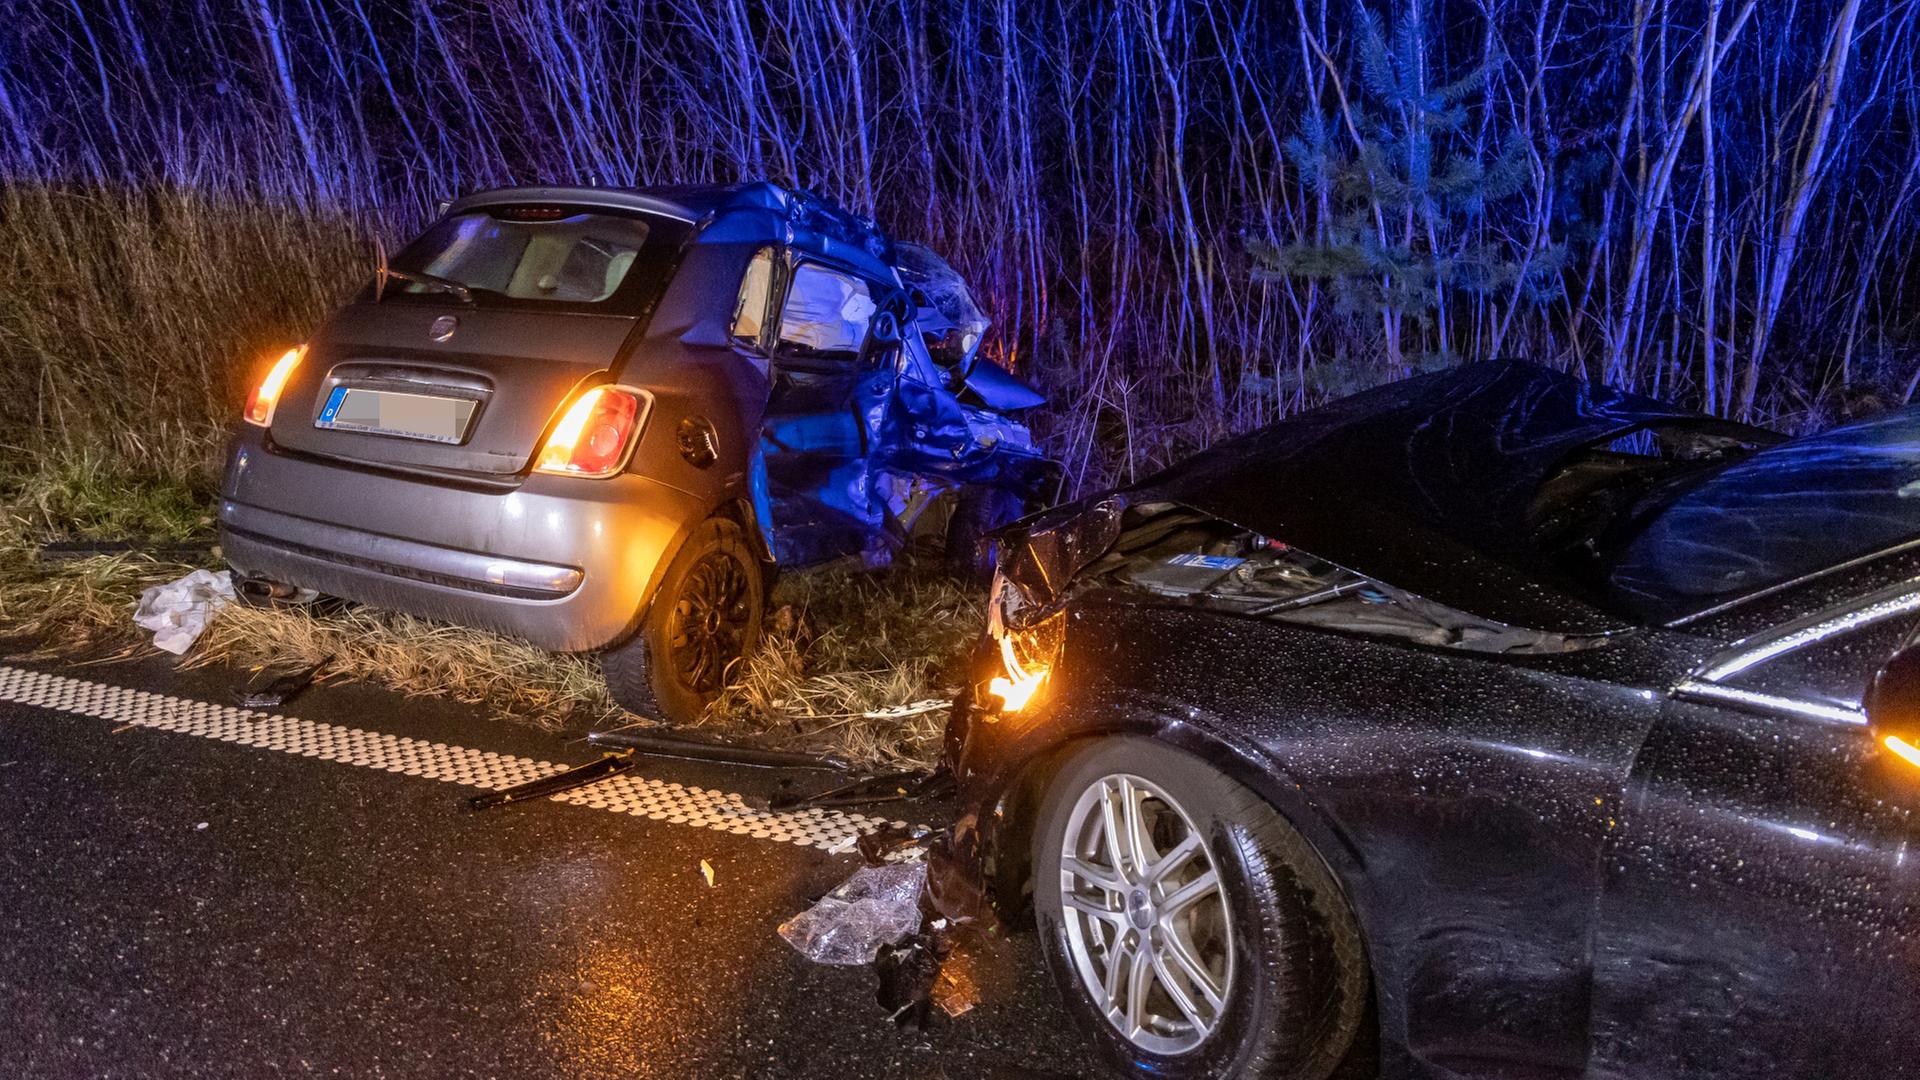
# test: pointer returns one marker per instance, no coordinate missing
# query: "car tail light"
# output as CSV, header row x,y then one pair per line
x,y
265,396
593,435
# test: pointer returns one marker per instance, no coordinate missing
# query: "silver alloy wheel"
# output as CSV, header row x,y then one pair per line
x,y
1146,915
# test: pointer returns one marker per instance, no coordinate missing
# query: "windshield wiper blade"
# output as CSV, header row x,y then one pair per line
x,y
417,277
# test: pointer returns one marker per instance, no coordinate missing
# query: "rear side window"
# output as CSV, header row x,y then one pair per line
x,y
825,316
521,254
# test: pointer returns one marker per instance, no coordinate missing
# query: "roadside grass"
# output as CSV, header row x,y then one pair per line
x,y
842,647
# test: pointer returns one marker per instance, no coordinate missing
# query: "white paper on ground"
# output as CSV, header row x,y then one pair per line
x,y
178,611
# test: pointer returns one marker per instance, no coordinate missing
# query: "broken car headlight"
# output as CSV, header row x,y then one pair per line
x,y
1028,649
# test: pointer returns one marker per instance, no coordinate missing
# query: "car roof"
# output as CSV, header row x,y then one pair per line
x,y
759,211
1426,483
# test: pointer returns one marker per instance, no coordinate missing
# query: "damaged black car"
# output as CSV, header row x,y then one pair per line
x,y
1490,723
601,419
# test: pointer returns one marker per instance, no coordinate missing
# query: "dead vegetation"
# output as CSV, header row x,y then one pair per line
x,y
844,649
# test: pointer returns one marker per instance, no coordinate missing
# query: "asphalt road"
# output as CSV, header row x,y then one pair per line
x,y
176,903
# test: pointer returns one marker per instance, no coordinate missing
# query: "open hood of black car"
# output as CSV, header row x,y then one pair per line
x,y
1425,483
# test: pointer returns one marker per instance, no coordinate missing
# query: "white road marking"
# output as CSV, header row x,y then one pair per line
x,y
626,793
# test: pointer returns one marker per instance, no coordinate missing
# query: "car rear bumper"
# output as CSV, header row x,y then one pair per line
x,y
562,562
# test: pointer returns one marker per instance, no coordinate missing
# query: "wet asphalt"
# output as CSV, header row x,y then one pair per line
x,y
177,906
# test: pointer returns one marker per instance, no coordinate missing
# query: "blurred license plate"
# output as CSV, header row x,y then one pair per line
x,y
390,412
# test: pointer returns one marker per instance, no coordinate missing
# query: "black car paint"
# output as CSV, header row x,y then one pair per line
x,y
1561,867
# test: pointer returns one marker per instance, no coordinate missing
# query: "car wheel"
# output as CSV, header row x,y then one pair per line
x,y
702,624
1192,931
977,511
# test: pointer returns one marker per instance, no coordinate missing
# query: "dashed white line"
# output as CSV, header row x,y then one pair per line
x,y
639,796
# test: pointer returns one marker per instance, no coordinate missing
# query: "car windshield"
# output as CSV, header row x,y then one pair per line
x,y
1700,537
553,255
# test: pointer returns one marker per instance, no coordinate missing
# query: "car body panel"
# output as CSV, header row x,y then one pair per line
x,y
816,462
1564,863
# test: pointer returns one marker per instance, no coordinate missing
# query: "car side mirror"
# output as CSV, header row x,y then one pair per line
x,y
1892,705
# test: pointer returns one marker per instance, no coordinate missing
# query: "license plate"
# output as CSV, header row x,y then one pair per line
x,y
392,412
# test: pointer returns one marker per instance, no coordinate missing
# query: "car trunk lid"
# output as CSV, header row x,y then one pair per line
x,y
443,387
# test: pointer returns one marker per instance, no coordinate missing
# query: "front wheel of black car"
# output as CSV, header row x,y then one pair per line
x,y
1192,931
702,625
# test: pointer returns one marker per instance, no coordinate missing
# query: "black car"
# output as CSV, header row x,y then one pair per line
x,y
1489,723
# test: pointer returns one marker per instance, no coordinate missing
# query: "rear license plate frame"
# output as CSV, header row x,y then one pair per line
x,y
395,423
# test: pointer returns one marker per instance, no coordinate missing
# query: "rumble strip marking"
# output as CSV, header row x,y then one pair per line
x,y
828,830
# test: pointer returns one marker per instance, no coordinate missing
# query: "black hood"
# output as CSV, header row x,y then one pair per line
x,y
1423,483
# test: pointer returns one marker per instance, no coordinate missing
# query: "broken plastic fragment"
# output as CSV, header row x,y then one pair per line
x,y
269,689
877,906
178,611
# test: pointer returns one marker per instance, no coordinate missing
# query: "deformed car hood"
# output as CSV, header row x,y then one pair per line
x,y
1423,483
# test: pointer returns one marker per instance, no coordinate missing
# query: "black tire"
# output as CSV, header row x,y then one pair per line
x,y
1297,993
977,511
672,668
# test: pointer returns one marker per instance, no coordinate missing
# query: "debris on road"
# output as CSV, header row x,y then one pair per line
x,y
887,787
553,783
706,871
876,907
908,972
892,843
178,611
270,689
691,749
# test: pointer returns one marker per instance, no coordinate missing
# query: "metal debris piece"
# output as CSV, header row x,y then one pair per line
x,y
706,871
269,689
676,746
876,907
553,783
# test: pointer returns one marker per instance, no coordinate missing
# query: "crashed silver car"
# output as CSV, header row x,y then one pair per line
x,y
600,419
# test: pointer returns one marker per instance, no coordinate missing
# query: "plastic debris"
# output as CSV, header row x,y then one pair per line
x,y
908,973
269,689
878,906
706,871
178,611
956,990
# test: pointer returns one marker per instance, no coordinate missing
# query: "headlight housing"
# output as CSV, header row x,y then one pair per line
x,y
1027,652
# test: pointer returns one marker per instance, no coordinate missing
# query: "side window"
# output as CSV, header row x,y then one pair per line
x,y
825,316
750,308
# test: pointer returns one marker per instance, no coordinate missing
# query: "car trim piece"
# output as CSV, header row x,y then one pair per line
x,y
1755,701
1708,682
510,578
1886,604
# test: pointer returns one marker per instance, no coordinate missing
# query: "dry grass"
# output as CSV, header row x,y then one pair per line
x,y
841,646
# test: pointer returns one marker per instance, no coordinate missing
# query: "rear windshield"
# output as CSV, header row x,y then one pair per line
x,y
1777,515
529,255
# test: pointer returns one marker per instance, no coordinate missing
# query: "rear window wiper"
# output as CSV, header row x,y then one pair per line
x,y
418,277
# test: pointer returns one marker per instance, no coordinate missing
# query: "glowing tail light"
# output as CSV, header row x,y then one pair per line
x,y
265,396
593,435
